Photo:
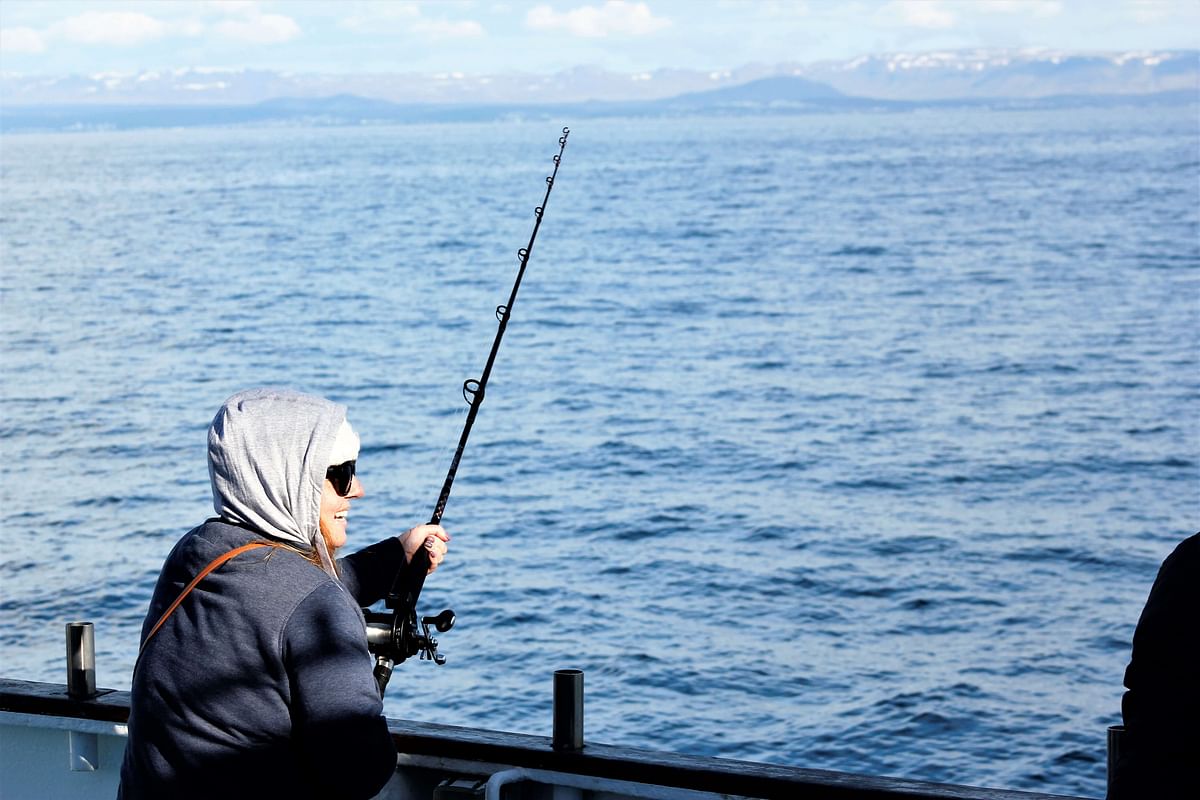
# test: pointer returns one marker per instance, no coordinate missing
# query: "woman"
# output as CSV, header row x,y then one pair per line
x,y
258,682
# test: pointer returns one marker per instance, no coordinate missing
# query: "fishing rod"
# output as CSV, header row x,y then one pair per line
x,y
397,636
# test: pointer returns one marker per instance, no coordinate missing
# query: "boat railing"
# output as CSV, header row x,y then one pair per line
x,y
446,762
434,753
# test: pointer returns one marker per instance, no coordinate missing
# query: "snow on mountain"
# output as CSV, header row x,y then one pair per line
x,y
896,76
1008,73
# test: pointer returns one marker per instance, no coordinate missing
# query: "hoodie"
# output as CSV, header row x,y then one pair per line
x,y
268,450
260,683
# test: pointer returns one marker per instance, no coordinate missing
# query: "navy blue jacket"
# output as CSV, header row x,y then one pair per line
x,y
1160,755
260,683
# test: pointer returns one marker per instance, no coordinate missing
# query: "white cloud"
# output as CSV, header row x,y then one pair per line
x,y
614,17
131,29
1036,8
21,40
379,18
188,27
1002,6
1148,12
920,14
119,28
260,29
779,9
464,29
406,17
233,8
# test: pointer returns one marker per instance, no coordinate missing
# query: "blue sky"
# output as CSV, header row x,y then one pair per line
x,y
542,36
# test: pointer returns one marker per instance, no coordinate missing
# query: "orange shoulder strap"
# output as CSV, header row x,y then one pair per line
x,y
216,562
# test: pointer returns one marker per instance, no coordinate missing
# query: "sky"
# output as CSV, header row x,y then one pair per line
x,y
55,37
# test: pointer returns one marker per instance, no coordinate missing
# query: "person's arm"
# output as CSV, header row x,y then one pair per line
x,y
368,574
337,715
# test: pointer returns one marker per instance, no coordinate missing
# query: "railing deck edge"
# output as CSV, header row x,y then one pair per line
x,y
711,774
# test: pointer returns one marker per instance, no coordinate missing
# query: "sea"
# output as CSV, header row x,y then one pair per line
x,y
848,440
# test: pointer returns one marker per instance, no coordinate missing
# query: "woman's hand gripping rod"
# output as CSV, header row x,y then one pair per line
x,y
396,636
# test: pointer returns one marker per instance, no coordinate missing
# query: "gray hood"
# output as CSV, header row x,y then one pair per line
x,y
268,450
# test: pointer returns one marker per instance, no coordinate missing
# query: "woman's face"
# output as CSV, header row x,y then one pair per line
x,y
335,509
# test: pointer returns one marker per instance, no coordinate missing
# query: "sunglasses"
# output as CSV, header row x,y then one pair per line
x,y
341,476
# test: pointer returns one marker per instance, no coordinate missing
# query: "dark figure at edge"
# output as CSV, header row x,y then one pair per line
x,y
1159,756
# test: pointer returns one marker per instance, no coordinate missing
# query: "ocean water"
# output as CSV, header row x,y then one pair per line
x,y
848,441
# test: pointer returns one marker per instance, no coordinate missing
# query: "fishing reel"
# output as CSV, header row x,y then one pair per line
x,y
394,638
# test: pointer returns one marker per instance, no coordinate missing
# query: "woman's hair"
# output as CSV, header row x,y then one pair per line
x,y
315,558
310,555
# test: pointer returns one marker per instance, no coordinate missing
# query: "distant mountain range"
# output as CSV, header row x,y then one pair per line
x,y
200,97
